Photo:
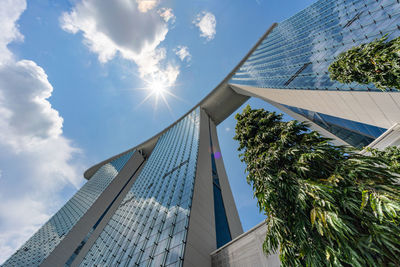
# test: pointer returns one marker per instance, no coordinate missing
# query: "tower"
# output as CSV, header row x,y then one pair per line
x,y
289,69
167,201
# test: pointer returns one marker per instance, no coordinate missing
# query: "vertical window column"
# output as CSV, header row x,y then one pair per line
x,y
221,222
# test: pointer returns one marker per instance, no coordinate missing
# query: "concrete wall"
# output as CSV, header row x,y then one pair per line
x,y
315,127
96,233
389,138
201,237
380,109
232,214
66,248
335,140
245,250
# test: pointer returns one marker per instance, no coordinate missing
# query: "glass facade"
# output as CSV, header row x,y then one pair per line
x,y
223,234
149,227
352,132
299,50
43,242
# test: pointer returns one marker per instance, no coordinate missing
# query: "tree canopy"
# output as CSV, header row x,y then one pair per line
x,y
326,205
377,62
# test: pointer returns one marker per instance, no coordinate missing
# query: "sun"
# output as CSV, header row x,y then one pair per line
x,y
157,88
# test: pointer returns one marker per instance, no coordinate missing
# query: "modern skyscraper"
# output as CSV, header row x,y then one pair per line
x,y
167,201
289,69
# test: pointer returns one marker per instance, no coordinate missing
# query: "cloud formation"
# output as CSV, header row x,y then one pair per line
x,y
27,116
183,53
132,30
206,23
146,5
9,13
35,158
167,14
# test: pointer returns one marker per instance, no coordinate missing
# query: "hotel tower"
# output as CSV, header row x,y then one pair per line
x,y
167,201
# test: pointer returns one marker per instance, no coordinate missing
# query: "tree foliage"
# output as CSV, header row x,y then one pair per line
x,y
326,205
377,62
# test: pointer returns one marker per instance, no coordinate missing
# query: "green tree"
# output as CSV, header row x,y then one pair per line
x,y
377,62
326,205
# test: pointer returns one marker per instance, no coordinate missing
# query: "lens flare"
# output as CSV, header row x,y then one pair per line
x,y
158,88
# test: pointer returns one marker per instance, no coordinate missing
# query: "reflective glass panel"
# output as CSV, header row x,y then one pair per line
x,y
150,225
298,52
354,133
43,242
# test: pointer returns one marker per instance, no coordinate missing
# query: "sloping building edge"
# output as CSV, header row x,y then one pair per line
x,y
219,104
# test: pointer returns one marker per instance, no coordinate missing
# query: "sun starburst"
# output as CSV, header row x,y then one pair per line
x,y
158,88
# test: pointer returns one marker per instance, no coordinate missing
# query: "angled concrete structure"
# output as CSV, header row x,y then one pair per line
x,y
167,201
289,69
245,250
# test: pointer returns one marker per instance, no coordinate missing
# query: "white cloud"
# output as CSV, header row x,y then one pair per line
x,y
146,5
183,53
206,23
15,229
149,67
30,127
27,116
35,157
167,14
9,13
130,29
109,27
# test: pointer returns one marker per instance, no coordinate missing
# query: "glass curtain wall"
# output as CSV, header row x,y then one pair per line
x,y
299,50
43,242
297,53
149,227
354,133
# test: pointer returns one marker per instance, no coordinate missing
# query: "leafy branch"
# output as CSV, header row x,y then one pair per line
x,y
326,205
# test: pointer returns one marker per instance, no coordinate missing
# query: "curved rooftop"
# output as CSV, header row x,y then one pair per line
x,y
219,104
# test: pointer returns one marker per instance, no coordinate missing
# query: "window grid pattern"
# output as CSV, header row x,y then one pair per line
x,y
43,242
149,227
313,38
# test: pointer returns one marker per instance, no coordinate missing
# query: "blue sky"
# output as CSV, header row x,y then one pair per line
x,y
73,79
